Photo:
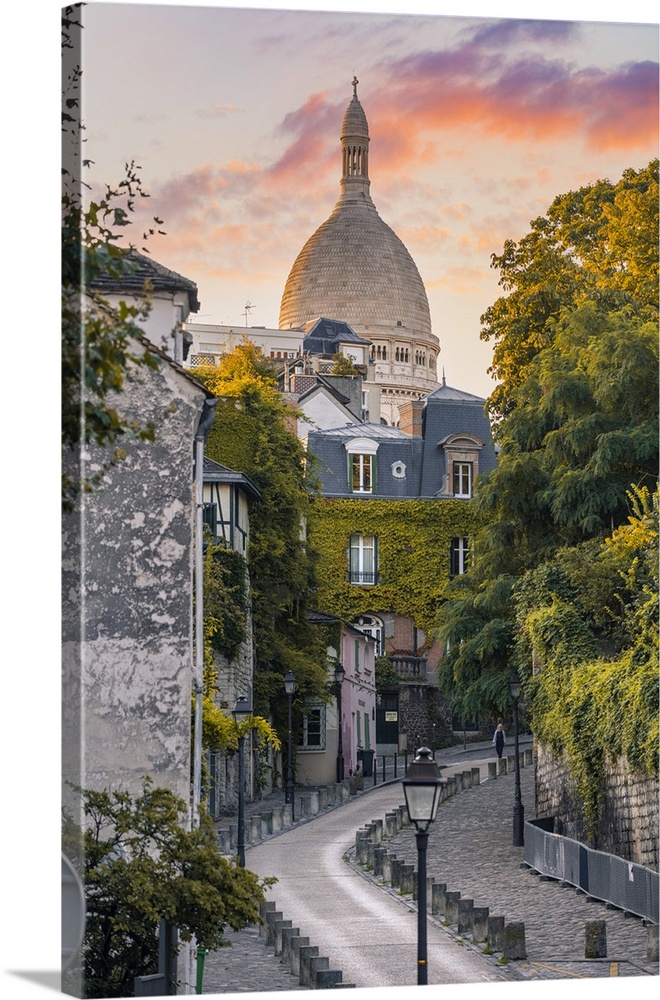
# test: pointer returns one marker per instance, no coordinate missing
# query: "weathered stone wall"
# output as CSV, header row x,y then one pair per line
x,y
629,820
127,602
420,708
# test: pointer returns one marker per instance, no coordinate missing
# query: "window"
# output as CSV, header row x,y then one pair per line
x,y
373,627
361,473
210,517
361,453
459,556
363,559
462,479
313,729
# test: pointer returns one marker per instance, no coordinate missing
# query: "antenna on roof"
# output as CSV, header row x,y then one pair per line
x,y
248,307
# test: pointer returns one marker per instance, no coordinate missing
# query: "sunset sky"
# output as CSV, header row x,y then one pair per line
x,y
234,116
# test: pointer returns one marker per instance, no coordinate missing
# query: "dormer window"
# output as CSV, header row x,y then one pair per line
x,y
361,465
461,464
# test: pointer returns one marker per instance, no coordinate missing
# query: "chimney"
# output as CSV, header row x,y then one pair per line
x,y
411,415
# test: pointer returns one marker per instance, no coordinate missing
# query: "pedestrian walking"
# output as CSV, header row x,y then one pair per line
x,y
499,739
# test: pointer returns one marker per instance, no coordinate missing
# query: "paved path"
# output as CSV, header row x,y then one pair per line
x,y
369,931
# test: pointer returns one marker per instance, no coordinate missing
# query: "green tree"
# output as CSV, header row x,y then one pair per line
x,y
575,416
139,865
254,431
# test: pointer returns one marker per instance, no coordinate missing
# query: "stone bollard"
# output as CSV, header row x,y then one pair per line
x,y
271,917
387,866
287,934
294,953
451,907
513,938
391,825
521,759
361,841
277,820
397,865
253,830
492,770
345,790
376,827
496,933
328,979
305,806
501,765
305,954
476,776
406,883
280,927
287,815
264,910
480,924
224,841
317,964
464,920
467,779
438,898
652,944
595,939
379,854
266,825
402,817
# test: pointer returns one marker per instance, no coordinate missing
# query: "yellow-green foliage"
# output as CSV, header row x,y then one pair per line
x,y
414,540
221,731
591,711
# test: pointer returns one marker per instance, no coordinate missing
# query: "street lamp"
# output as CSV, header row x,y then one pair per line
x,y
290,688
242,709
339,677
515,687
421,787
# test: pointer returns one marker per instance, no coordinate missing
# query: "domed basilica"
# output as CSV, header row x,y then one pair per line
x,y
355,269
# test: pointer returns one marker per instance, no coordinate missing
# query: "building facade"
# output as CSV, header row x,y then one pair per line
x,y
392,526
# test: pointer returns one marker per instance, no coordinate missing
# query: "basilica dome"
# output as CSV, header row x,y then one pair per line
x,y
354,267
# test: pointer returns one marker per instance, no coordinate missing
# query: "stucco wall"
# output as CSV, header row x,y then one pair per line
x,y
127,602
629,821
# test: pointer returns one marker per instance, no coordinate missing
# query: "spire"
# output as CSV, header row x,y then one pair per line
x,y
355,146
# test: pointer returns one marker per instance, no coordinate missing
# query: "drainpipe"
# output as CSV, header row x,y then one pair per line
x,y
205,421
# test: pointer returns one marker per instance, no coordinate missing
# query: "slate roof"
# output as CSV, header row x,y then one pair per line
x,y
368,431
447,393
214,472
323,336
146,269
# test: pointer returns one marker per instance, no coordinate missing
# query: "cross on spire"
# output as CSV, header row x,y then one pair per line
x,y
355,82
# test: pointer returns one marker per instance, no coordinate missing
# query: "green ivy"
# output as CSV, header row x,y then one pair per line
x,y
414,539
591,711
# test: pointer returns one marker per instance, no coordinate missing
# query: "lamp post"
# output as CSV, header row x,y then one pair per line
x,y
421,787
515,687
290,688
339,678
242,709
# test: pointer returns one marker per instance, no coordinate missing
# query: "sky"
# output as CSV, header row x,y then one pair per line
x,y
476,124
475,128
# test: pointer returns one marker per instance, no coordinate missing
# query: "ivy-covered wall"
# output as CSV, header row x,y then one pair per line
x,y
414,540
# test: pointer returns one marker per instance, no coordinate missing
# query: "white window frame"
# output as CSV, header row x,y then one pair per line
x,y
304,746
363,465
463,472
460,555
363,559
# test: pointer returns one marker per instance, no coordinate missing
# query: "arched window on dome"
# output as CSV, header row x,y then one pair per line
x,y
384,353
407,357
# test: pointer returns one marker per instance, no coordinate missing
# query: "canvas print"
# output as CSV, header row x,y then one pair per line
x,y
359,500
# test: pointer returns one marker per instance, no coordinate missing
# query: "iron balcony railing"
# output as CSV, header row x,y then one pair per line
x,y
357,576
